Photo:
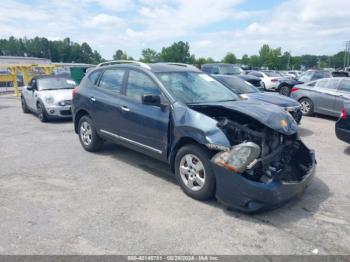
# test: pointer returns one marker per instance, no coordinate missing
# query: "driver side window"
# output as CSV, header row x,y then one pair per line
x,y
140,84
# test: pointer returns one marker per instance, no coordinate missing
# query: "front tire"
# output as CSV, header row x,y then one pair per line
x,y
194,173
24,105
42,113
307,106
284,90
88,136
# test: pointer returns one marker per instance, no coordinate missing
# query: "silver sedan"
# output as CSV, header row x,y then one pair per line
x,y
324,96
48,97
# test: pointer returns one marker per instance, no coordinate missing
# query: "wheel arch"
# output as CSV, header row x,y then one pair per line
x,y
77,118
181,143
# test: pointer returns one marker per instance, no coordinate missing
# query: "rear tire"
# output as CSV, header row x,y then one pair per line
x,y
307,106
88,136
42,112
284,90
24,105
194,173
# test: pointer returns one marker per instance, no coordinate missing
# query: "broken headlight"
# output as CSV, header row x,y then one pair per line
x,y
239,157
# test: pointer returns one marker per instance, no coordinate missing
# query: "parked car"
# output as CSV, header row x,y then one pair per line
x,y
222,69
245,153
230,69
49,97
323,96
342,126
285,86
270,79
246,91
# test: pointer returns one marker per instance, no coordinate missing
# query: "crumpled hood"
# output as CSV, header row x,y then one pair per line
x,y
270,115
58,95
273,98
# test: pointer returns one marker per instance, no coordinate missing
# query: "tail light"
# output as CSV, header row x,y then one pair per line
x,y
75,91
274,80
343,114
294,89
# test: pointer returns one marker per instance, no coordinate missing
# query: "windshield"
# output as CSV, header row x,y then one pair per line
x,y
55,83
230,70
237,85
193,87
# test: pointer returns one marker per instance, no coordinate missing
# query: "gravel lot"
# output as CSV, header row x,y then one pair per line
x,y
55,198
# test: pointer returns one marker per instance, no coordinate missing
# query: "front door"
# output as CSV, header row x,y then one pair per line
x,y
144,126
30,95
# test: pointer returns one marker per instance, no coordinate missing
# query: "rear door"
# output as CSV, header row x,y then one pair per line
x,y
104,99
343,94
144,126
325,96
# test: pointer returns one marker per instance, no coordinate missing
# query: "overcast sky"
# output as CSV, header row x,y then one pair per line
x,y
212,27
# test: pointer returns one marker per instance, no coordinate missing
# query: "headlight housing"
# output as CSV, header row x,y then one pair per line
x,y
62,103
49,100
239,157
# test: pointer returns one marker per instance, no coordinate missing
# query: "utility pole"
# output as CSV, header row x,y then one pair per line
x,y
347,54
288,60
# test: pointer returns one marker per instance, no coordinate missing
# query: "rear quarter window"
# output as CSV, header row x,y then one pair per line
x,y
93,77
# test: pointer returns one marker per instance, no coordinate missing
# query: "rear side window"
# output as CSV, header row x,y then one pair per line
x,y
94,76
312,84
322,83
257,74
140,84
332,83
344,85
112,80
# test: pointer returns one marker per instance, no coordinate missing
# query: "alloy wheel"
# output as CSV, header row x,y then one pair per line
x,y
192,172
86,133
305,107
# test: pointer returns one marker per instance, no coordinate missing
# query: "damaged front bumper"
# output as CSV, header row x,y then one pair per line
x,y
239,192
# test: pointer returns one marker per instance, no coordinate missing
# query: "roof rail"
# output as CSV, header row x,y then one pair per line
x,y
180,64
115,62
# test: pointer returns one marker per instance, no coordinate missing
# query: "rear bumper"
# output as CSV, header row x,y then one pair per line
x,y
341,133
238,192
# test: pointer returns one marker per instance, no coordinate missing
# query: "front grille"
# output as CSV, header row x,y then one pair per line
x,y
66,112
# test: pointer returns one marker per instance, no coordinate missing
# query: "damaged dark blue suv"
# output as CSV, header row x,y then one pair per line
x,y
245,153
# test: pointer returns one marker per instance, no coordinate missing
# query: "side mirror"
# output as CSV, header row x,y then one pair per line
x,y
30,88
151,100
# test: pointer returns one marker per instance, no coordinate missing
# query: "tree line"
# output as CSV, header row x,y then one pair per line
x,y
68,51
57,50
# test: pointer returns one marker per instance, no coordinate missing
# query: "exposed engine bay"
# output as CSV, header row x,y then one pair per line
x,y
278,156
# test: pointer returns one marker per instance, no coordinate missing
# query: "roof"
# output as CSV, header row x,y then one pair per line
x,y
209,64
156,67
172,67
